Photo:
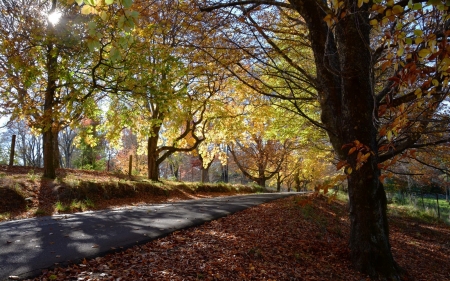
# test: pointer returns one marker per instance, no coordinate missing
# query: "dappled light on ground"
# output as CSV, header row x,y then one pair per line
x,y
294,238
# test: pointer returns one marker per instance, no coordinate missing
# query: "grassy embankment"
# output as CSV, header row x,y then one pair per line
x,y
25,193
424,209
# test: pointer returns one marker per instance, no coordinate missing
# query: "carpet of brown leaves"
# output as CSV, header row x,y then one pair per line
x,y
297,238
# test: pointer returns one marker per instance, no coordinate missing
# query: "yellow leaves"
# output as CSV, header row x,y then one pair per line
x,y
418,40
418,32
417,6
86,10
418,93
424,52
378,8
397,9
444,64
330,19
373,22
389,135
348,170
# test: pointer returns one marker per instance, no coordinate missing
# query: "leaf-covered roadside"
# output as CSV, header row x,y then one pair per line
x,y
296,238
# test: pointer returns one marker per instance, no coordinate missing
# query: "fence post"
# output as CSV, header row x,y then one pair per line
x,y
13,146
437,202
130,165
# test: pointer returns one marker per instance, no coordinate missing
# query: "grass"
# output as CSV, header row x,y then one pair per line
x,y
61,207
413,207
5,216
40,212
426,210
82,205
32,176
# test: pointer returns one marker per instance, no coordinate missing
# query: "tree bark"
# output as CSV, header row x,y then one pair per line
x,y
278,182
56,153
152,158
48,135
48,118
346,96
205,174
261,182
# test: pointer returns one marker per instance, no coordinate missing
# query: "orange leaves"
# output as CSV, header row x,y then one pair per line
x,y
341,164
363,154
353,149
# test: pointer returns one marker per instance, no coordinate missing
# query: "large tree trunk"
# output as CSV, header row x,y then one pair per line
x,y
49,163
369,238
48,135
345,83
261,182
152,154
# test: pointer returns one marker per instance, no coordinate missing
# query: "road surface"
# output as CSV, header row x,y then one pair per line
x,y
30,245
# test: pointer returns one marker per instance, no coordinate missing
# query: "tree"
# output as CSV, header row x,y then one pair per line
x,y
67,146
45,69
28,145
166,89
353,43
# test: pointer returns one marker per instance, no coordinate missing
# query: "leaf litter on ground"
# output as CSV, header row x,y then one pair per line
x,y
295,238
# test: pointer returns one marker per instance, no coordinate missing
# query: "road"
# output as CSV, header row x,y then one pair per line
x,y
30,245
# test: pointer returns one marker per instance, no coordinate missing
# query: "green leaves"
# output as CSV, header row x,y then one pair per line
x,y
114,54
127,3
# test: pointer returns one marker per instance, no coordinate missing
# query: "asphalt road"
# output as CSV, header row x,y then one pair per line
x,y
30,245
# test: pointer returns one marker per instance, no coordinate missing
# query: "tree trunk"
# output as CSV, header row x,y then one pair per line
x,y
48,135
49,168
56,153
152,154
346,95
278,182
48,118
437,204
261,182
224,176
205,174
369,236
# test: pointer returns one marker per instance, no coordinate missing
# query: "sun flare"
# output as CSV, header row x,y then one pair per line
x,y
54,17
